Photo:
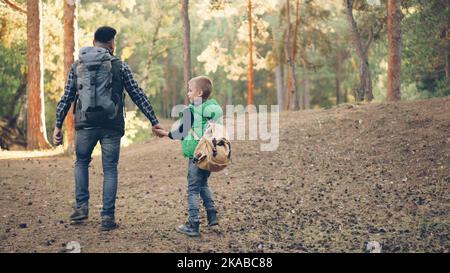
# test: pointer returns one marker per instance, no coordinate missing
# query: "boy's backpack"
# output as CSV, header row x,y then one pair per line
x,y
213,152
96,101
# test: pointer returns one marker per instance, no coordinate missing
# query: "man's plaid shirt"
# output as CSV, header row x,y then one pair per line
x,y
131,86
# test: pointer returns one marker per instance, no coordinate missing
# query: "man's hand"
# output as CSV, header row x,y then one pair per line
x,y
57,136
159,130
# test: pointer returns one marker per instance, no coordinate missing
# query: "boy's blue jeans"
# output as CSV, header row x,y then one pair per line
x,y
198,187
85,142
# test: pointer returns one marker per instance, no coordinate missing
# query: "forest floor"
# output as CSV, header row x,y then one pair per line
x,y
340,178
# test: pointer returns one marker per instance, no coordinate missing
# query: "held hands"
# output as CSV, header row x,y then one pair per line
x,y
159,131
58,135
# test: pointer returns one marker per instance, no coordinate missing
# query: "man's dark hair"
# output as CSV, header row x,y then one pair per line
x,y
104,34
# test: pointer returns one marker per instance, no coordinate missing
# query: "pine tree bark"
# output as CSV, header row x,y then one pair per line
x,y
186,44
290,52
294,91
447,61
70,47
250,49
279,85
364,90
447,46
394,49
36,130
167,92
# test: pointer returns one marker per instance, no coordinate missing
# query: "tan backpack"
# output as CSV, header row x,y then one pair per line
x,y
213,152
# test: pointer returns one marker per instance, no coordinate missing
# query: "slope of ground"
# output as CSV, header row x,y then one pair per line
x,y
339,179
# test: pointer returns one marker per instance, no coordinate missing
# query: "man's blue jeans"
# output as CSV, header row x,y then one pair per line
x,y
85,142
198,187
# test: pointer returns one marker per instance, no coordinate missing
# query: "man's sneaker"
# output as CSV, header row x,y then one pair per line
x,y
211,215
80,214
190,229
108,223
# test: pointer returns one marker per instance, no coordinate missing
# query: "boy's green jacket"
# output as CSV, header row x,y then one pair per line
x,y
208,110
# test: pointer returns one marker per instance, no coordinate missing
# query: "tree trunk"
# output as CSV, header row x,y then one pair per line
x,y
290,53
175,94
161,100
394,50
36,131
70,47
447,60
287,39
250,49
229,94
186,45
447,64
304,91
279,85
338,78
365,79
368,79
294,90
447,46
338,89
168,77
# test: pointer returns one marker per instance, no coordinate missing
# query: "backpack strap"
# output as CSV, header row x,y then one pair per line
x,y
208,127
194,134
74,67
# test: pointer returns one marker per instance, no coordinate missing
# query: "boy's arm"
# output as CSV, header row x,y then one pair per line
x,y
68,97
185,125
137,95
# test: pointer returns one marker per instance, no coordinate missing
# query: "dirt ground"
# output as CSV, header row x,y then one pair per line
x,y
340,178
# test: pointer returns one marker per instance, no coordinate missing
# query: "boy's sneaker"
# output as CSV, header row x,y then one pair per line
x,y
80,214
108,223
190,229
211,215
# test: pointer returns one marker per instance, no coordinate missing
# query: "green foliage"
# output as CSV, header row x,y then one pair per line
x,y
11,70
12,53
425,44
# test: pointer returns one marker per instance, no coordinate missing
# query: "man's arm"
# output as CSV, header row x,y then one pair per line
x,y
66,100
137,95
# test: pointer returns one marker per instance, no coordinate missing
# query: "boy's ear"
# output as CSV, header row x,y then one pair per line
x,y
200,93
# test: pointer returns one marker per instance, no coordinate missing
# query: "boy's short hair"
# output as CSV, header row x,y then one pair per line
x,y
205,84
104,34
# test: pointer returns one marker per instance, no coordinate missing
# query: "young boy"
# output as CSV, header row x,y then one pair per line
x,y
195,118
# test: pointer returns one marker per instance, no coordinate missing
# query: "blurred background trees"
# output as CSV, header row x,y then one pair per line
x,y
305,53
